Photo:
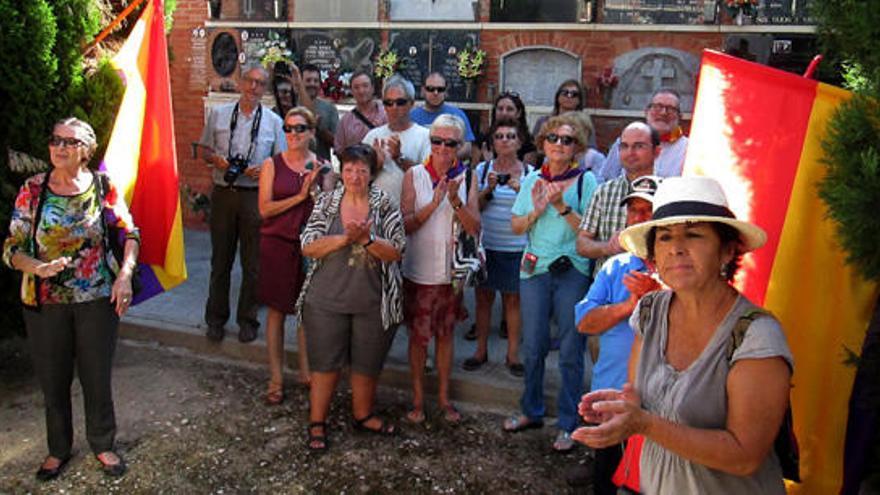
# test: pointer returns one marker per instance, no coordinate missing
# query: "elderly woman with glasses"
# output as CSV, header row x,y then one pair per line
x,y
553,277
351,301
73,289
435,195
285,202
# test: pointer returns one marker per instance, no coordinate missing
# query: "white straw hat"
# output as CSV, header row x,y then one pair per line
x,y
689,200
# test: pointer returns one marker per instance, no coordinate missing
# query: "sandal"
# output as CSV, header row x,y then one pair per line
x,y
520,422
274,397
46,474
110,468
317,442
515,369
415,416
473,363
385,428
451,414
563,443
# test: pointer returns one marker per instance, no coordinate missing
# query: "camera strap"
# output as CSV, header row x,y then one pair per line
x,y
255,129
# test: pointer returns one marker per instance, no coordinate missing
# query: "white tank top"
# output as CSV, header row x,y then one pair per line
x,y
428,256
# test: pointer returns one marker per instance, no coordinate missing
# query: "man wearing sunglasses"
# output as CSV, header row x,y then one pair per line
x,y
662,114
245,132
400,143
434,93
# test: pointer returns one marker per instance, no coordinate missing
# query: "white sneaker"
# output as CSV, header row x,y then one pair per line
x,y
563,442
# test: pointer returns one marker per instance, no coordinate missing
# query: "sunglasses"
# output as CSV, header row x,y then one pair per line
x,y
554,138
59,141
435,89
571,93
299,128
449,143
509,94
510,136
646,184
399,102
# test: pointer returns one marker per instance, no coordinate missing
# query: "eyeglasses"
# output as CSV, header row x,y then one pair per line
x,y
510,136
299,128
661,108
435,89
449,143
399,102
59,141
635,146
571,93
254,81
554,138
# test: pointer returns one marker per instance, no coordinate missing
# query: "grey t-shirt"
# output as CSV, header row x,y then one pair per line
x,y
697,397
349,280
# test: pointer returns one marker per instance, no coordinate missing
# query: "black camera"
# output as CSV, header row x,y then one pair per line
x,y
502,179
237,165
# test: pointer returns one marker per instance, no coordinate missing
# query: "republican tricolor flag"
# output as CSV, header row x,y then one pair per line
x,y
758,131
141,158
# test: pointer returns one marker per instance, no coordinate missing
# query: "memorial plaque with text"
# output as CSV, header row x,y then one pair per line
x,y
424,52
659,12
339,50
783,12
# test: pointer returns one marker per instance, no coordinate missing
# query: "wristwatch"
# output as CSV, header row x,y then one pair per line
x,y
370,241
566,211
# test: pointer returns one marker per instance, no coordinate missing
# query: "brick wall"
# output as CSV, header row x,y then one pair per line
x,y
597,50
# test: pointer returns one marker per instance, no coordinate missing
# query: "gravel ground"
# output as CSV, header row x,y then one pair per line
x,y
190,425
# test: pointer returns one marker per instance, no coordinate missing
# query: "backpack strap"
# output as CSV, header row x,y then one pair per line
x,y
738,334
485,173
580,186
646,304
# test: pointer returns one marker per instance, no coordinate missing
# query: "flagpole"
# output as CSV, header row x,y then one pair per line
x,y
106,32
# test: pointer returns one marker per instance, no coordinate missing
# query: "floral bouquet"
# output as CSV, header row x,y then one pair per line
x,y
747,7
387,63
273,50
470,63
336,85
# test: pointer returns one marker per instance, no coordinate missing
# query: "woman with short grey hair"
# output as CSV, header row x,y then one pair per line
x,y
73,289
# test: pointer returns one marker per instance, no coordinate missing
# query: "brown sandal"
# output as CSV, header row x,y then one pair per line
x,y
274,397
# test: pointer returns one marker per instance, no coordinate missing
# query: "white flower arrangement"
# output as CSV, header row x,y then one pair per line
x,y
274,49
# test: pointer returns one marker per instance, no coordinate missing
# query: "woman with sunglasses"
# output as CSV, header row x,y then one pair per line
x,y
435,195
553,277
285,202
508,106
351,300
73,290
569,97
499,182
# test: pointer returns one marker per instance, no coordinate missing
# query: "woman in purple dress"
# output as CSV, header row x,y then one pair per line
x,y
285,203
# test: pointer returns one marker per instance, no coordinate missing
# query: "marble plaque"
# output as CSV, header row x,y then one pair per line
x,y
646,70
534,10
536,72
433,10
198,65
224,54
341,50
424,52
783,12
658,11
335,10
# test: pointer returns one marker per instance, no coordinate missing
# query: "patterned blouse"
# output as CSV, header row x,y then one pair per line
x,y
387,223
69,226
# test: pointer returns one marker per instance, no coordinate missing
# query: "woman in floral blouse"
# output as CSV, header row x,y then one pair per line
x,y
73,290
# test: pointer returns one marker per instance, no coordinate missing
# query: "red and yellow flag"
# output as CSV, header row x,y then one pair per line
x,y
758,131
141,157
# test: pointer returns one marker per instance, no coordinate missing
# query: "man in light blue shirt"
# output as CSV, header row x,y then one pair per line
x,y
434,93
242,134
605,311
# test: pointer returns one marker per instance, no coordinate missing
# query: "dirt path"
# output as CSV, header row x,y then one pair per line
x,y
188,425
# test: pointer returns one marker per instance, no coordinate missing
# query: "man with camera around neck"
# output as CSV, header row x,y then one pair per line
x,y
237,138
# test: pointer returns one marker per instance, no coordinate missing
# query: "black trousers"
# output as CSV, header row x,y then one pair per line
x,y
62,337
605,464
235,220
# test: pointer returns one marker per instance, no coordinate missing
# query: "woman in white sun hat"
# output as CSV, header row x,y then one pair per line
x,y
708,407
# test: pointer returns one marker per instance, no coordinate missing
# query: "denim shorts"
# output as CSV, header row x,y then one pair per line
x,y
502,268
